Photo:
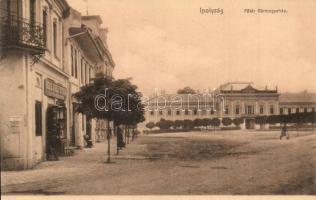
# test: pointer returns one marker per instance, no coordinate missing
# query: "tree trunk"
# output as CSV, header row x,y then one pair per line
x,y
109,142
127,134
117,141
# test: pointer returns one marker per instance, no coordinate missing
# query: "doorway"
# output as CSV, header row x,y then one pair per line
x,y
55,128
250,123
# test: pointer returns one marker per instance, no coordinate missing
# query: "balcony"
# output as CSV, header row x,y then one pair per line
x,y
19,33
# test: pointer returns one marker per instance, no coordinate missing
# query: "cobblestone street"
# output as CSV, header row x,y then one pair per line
x,y
179,163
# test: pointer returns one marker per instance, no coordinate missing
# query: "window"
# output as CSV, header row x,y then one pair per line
x,y
160,112
75,64
305,109
297,110
281,111
249,109
32,11
45,26
178,112
289,110
271,109
169,112
89,74
261,109
212,111
38,118
237,110
82,71
186,112
226,110
195,112
86,72
313,109
55,37
72,61
152,112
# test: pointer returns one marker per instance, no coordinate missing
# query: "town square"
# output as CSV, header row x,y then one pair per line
x,y
157,97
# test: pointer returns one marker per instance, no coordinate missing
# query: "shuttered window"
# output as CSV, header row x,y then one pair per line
x,y
38,118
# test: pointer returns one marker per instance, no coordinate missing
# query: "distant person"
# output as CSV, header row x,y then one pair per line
x,y
284,133
88,141
120,140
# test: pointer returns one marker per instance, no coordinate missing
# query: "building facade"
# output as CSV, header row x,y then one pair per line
x,y
48,51
231,100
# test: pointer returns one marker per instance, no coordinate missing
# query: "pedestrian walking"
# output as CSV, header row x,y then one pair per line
x,y
284,133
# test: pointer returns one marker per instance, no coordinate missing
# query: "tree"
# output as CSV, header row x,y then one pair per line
x,y
238,121
106,98
129,108
186,90
87,105
205,122
227,121
178,123
273,119
164,124
150,125
215,122
198,122
188,124
261,120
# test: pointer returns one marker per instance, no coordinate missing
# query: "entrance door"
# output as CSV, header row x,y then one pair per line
x,y
55,128
51,128
250,123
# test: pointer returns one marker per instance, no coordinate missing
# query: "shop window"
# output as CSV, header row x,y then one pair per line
x,y
38,118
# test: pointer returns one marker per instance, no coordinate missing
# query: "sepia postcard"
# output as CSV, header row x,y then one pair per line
x,y
158,99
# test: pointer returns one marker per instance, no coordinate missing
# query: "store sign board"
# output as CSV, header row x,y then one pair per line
x,y
54,90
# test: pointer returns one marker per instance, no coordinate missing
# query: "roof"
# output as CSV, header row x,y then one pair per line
x,y
297,98
91,17
87,42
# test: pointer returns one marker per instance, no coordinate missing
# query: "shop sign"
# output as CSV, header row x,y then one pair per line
x,y
54,90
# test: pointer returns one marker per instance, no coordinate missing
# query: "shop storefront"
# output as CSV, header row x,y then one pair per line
x,y
56,118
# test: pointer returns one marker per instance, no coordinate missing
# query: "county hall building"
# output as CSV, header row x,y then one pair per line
x,y
230,100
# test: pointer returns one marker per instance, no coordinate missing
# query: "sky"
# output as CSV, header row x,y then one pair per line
x,y
167,45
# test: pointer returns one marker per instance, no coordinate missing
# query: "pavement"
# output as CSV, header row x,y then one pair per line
x,y
226,162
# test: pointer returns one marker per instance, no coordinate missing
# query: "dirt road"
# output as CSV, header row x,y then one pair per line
x,y
181,163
